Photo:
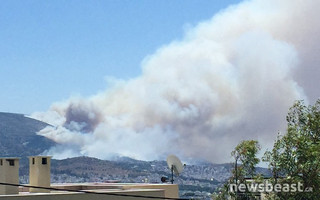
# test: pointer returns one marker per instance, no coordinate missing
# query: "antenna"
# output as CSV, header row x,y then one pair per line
x,y
174,165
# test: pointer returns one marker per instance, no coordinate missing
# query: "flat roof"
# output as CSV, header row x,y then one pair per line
x,y
96,188
39,156
96,191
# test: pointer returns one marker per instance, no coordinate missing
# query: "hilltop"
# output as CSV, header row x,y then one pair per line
x,y
19,137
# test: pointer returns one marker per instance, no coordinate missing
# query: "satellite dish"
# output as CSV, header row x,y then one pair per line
x,y
174,165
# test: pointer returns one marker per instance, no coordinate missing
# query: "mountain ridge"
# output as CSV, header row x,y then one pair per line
x,y
19,136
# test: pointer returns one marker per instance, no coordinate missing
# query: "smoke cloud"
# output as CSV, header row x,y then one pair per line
x,y
230,78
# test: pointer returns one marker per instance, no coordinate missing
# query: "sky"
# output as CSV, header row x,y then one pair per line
x,y
52,50
146,79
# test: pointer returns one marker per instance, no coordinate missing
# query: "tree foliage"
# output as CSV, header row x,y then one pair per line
x,y
295,156
245,155
246,152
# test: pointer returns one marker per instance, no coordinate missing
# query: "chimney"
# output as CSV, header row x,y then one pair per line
x,y
9,173
39,173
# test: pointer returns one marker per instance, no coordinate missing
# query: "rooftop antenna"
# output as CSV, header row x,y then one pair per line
x,y
174,165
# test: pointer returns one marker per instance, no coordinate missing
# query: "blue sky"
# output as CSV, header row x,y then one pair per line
x,y
51,50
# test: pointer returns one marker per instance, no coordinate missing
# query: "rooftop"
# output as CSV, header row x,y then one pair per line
x,y
109,190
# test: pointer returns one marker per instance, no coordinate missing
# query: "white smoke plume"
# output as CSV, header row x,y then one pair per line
x,y
230,78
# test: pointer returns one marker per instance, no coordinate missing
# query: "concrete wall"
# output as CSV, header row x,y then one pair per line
x,y
82,196
171,190
9,173
39,172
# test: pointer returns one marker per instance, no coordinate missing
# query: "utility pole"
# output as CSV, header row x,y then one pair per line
x,y
236,169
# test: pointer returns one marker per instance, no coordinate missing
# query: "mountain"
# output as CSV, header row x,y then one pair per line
x,y
195,180
203,179
18,136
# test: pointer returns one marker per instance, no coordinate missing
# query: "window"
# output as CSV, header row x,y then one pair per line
x,y
11,162
44,161
33,161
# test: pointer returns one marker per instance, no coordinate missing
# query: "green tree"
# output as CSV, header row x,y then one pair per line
x,y
295,156
245,155
246,152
